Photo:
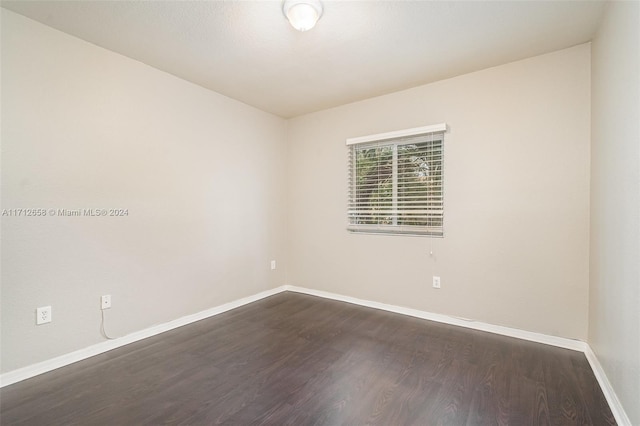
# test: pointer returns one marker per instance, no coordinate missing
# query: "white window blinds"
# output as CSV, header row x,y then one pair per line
x,y
396,182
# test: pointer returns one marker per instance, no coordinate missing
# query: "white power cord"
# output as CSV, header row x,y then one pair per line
x,y
102,329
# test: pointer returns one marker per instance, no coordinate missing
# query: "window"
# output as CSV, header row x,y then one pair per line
x,y
396,182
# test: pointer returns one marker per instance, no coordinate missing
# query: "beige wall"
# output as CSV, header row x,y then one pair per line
x,y
614,305
515,251
202,176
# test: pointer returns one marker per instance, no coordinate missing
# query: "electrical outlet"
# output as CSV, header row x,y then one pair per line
x,y
105,301
43,315
436,282
273,264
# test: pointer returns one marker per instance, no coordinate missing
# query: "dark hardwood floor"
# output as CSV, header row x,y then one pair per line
x,y
293,359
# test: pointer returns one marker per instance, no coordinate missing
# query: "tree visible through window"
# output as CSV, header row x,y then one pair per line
x,y
395,185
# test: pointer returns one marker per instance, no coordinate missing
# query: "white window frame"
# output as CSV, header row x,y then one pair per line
x,y
393,140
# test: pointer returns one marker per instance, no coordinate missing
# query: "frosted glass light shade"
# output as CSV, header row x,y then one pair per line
x,y
302,14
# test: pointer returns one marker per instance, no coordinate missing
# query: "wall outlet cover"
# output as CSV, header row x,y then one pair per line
x,y
105,301
43,315
436,282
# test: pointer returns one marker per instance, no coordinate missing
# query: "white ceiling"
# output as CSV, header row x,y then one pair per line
x,y
359,49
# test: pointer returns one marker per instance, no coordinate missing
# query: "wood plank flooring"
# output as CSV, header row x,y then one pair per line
x,y
293,359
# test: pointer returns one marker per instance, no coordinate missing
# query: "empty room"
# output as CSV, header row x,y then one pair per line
x,y
316,212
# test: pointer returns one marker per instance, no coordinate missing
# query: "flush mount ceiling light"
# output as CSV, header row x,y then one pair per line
x,y
302,14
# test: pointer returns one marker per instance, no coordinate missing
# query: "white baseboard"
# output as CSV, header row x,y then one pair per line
x,y
66,359
614,403
577,345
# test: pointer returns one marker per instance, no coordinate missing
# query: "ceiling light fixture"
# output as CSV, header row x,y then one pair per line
x,y
302,14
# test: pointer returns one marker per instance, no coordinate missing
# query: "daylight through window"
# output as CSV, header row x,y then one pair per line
x,y
396,182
